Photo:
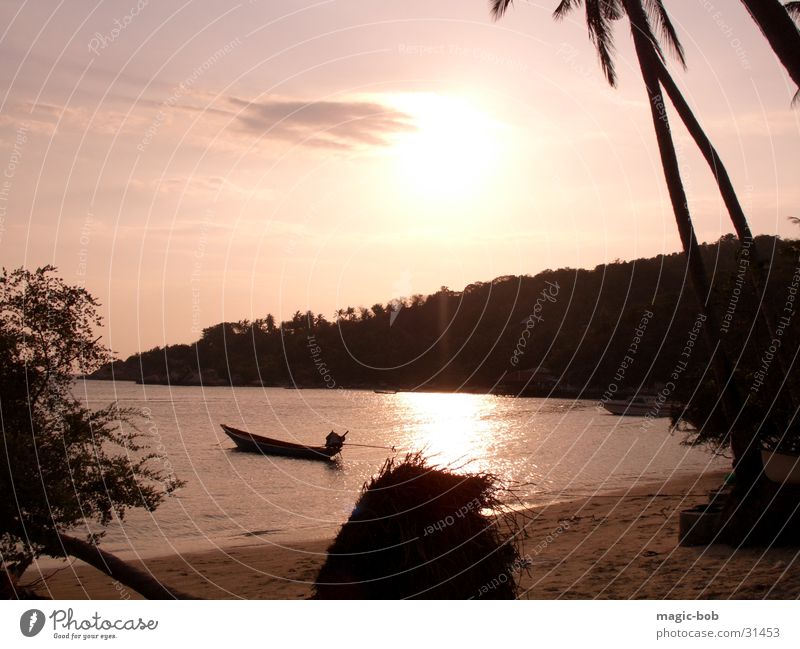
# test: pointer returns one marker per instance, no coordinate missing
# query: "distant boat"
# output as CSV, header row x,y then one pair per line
x,y
385,391
268,446
781,467
638,406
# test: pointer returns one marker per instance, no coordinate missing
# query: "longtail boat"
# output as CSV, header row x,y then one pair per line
x,y
639,406
268,446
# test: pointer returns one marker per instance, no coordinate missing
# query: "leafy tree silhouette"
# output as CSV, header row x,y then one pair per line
x,y
64,467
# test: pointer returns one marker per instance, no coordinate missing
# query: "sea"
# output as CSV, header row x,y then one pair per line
x,y
544,450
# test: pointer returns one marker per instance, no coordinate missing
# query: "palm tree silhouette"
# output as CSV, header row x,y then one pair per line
x,y
642,14
775,22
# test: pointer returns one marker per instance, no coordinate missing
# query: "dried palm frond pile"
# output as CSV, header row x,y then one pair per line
x,y
419,531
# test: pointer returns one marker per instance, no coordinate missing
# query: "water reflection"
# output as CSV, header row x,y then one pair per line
x,y
545,449
450,428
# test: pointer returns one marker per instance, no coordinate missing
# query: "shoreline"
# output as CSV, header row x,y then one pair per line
x,y
551,392
612,546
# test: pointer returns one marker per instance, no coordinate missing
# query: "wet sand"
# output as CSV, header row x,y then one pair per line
x,y
618,546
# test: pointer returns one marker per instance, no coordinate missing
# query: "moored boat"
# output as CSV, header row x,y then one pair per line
x,y
781,467
639,406
269,446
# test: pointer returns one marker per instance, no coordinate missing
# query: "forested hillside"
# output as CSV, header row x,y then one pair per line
x,y
623,324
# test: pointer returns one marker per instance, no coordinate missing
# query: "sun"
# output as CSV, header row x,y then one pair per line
x,y
452,150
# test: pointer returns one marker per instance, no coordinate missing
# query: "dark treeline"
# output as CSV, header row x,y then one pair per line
x,y
622,325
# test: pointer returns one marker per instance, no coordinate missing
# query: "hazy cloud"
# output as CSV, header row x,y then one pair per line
x,y
44,117
323,124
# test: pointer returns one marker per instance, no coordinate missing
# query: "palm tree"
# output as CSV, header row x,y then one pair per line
x,y
776,24
703,143
729,197
599,17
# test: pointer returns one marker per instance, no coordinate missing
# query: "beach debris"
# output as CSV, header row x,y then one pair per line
x,y
421,531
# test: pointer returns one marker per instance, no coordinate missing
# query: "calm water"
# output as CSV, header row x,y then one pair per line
x,y
553,449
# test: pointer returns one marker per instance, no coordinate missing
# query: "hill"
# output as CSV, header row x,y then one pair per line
x,y
566,332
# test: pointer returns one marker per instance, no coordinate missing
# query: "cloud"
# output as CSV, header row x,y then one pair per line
x,y
45,117
321,124
333,125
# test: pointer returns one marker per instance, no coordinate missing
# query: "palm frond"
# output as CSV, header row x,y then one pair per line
x,y
499,7
602,36
565,6
658,14
612,9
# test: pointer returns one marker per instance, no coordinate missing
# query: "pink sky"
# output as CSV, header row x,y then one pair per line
x,y
207,161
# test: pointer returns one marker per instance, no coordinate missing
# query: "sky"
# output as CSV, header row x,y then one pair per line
x,y
194,162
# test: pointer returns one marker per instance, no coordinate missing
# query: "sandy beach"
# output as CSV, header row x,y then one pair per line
x,y
617,546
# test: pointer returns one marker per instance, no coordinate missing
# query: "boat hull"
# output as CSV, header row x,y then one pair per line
x,y
268,446
637,407
781,467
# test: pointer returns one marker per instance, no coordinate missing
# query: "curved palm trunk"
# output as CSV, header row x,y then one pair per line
x,y
709,152
142,582
729,197
779,29
747,459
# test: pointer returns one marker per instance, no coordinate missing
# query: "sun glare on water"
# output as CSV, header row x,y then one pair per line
x,y
452,150
450,428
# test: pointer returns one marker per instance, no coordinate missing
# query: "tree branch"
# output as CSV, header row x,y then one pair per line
x,y
140,581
